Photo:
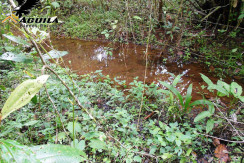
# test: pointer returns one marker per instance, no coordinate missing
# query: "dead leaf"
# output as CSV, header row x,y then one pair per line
x,y
180,53
216,142
211,68
221,152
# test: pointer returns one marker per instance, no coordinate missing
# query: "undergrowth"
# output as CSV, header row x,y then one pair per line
x,y
159,137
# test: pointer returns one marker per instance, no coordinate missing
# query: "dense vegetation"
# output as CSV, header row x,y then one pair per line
x,y
50,114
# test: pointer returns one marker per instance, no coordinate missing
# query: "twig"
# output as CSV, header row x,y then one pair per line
x,y
145,74
229,119
54,106
221,138
71,93
149,116
230,123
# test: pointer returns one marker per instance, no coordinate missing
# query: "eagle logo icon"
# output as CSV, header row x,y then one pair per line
x,y
25,6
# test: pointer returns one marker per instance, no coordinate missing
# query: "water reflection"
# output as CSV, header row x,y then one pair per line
x,y
127,62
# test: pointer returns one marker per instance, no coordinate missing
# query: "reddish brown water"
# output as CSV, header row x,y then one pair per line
x,y
128,62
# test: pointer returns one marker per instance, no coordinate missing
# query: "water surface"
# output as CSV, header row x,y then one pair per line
x,y
127,61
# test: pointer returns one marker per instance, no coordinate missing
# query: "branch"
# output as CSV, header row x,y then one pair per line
x,y
221,138
71,93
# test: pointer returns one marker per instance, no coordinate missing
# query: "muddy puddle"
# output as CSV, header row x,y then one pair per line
x,y
127,61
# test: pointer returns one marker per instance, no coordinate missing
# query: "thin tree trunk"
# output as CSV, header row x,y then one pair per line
x,y
160,12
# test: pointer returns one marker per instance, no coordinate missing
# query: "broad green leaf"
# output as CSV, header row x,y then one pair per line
x,y
61,137
221,89
17,40
202,115
77,127
235,89
224,84
9,56
12,151
210,125
97,144
53,153
81,145
22,95
174,90
241,98
54,54
188,97
55,4
207,80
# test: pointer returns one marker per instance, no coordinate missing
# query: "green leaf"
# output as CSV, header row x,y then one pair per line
x,y
183,160
188,97
174,90
137,158
241,16
224,84
211,109
221,89
207,80
235,89
97,144
2,87
81,145
77,127
176,80
201,102
55,4
234,50
30,123
178,142
241,98
166,156
210,125
107,35
202,115
34,100
54,153
22,95
189,152
9,56
114,26
137,17
17,40
54,54
61,137
12,151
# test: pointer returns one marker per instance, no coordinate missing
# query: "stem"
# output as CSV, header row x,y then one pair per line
x,y
145,74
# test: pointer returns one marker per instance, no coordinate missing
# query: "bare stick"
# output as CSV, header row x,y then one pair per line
x,y
54,106
221,138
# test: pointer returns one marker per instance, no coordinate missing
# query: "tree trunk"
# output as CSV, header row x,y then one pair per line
x,y
160,13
